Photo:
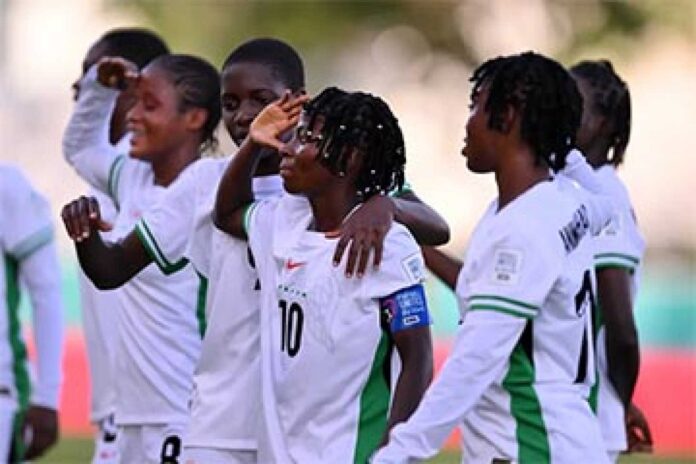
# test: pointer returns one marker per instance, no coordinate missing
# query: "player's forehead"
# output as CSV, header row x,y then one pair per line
x,y
156,81
246,77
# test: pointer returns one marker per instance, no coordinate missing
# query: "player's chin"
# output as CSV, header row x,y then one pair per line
x,y
289,185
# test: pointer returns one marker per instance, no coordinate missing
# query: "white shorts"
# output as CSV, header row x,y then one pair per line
x,y
195,455
150,444
105,442
8,408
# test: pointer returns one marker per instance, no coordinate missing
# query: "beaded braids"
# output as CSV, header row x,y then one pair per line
x,y
198,84
545,97
360,121
611,99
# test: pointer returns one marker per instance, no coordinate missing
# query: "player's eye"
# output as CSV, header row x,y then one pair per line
x,y
306,136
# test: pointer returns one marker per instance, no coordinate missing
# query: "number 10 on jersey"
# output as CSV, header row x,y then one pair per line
x,y
291,322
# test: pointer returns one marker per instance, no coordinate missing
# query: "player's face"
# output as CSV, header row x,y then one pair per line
x,y
478,148
299,164
246,89
156,122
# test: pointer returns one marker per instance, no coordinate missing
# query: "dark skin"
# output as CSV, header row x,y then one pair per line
x,y
331,198
614,284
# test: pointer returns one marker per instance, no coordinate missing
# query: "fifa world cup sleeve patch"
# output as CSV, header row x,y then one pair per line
x,y
405,309
507,266
414,267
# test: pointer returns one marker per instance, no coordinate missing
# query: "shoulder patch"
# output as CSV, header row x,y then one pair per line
x,y
507,265
414,267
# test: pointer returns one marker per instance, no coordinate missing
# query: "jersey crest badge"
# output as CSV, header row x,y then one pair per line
x,y
507,266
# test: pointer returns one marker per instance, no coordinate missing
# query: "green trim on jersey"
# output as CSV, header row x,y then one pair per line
x,y
114,178
246,218
502,304
19,350
609,264
597,324
374,405
532,437
620,259
150,244
406,188
200,306
32,243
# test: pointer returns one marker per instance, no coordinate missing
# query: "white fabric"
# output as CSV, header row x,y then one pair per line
x,y
218,456
619,245
518,349
159,339
225,402
8,408
322,345
99,309
26,240
106,443
147,444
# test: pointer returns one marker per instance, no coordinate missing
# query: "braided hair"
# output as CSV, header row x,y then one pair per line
x,y
198,84
357,120
610,98
544,95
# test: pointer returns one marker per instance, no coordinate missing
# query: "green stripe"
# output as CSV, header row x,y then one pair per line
x,y
114,177
200,307
630,258
374,405
32,243
406,188
500,309
150,244
506,300
609,264
532,438
19,350
247,216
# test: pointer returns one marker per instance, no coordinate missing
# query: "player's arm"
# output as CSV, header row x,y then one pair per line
x,y
367,227
479,356
40,274
410,330
445,267
622,347
107,265
86,144
235,192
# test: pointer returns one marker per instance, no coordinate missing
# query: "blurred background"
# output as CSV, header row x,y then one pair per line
x,y
418,55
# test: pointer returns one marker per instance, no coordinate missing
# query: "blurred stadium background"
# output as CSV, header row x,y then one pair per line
x,y
418,55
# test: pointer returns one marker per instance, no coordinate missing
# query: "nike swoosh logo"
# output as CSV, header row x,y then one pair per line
x,y
290,265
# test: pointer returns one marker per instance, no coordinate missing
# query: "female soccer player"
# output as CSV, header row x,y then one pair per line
x,y
99,316
521,365
603,137
160,317
327,341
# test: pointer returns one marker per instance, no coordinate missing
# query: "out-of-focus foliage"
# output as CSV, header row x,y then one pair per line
x,y
214,27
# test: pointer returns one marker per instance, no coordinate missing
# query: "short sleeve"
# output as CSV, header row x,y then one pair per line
x,y
167,226
514,274
619,244
259,221
26,215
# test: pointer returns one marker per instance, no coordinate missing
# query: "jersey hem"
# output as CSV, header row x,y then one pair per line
x,y
231,445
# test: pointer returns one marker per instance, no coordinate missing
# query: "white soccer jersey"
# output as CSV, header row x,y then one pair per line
x,y
26,234
619,245
99,318
521,365
159,333
325,355
226,397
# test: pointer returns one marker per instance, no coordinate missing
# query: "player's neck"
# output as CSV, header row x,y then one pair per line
x,y
117,129
268,165
331,208
596,154
167,168
517,174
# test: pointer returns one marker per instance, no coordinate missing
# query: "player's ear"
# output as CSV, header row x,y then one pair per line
x,y
196,118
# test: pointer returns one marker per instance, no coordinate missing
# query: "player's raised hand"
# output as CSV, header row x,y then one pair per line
x,y
82,217
40,430
365,230
275,119
117,73
638,431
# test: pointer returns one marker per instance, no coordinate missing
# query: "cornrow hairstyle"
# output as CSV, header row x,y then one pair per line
x,y
545,96
138,45
363,122
610,98
281,58
198,85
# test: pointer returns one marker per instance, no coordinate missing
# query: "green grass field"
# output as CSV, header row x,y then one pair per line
x,y
78,450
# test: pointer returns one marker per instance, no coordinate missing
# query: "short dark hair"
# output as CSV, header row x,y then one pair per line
x,y
198,85
610,98
138,45
545,96
357,120
284,61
